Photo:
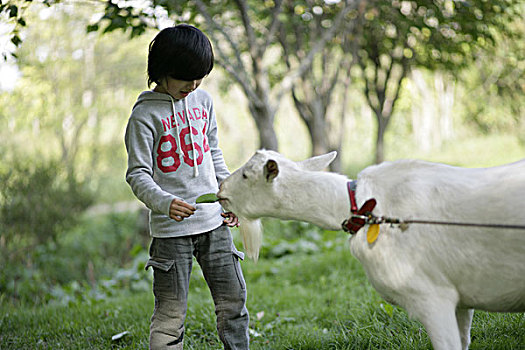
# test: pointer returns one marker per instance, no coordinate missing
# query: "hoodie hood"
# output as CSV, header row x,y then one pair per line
x,y
151,96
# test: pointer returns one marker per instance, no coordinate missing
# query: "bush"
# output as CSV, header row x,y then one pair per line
x,y
40,201
93,259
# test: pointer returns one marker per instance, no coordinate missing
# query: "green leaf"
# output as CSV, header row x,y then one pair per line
x,y
15,39
92,28
207,198
13,11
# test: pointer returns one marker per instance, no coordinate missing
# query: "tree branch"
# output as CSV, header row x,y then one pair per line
x,y
252,41
236,68
274,26
289,80
218,28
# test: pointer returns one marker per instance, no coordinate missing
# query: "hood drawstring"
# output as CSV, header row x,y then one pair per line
x,y
176,125
195,167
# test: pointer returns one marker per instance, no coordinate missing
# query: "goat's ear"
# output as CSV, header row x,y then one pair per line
x,y
271,170
318,163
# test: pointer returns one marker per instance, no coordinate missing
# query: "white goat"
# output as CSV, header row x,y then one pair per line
x,y
438,273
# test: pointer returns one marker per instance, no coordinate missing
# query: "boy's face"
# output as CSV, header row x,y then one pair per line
x,y
178,89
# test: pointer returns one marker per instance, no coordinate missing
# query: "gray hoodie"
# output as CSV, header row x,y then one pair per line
x,y
173,152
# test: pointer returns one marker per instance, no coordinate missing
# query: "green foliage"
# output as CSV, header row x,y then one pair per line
x,y
38,201
435,33
495,84
291,237
73,95
395,37
90,261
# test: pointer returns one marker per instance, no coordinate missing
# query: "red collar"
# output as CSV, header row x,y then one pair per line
x,y
354,223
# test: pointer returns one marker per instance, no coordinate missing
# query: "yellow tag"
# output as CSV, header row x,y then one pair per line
x,y
373,233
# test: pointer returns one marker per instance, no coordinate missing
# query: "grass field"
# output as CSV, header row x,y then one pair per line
x,y
316,298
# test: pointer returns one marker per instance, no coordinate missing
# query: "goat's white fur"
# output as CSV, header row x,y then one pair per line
x,y
251,233
439,274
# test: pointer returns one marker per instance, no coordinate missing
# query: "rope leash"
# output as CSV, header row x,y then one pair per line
x,y
371,219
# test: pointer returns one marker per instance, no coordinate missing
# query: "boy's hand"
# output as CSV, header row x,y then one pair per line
x,y
230,219
179,210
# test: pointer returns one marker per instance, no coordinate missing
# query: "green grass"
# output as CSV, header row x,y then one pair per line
x,y
316,300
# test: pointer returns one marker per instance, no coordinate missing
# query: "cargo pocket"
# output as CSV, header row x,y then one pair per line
x,y
237,255
164,276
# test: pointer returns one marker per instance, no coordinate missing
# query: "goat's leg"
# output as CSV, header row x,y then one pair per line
x,y
439,319
464,317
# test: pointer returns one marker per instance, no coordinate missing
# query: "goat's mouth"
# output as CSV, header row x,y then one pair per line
x,y
224,202
222,199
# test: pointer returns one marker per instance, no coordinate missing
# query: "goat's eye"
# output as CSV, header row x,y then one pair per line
x,y
244,176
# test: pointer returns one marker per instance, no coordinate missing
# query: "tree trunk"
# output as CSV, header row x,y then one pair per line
x,y
424,116
318,136
264,117
312,112
446,94
337,164
432,116
382,124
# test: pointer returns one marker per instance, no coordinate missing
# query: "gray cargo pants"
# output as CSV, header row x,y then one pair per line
x,y
171,259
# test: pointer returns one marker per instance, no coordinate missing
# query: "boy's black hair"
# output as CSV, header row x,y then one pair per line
x,y
182,52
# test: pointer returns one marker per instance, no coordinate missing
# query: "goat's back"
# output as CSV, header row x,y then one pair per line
x,y
445,191
485,265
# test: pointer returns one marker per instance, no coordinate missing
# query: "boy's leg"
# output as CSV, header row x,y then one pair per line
x,y
220,265
171,259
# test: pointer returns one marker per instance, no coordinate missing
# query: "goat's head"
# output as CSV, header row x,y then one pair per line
x,y
258,189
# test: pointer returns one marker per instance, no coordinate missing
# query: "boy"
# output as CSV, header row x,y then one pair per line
x,y
173,157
